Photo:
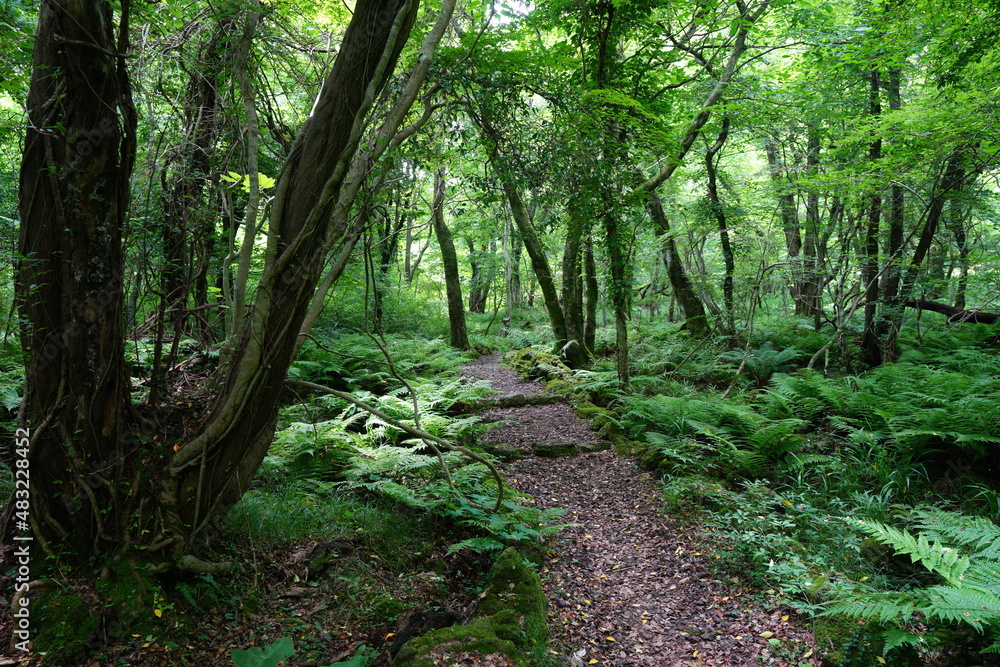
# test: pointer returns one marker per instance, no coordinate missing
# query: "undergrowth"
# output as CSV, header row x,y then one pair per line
x,y
798,476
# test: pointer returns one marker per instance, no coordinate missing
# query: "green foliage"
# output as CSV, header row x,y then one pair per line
x,y
762,363
264,657
960,550
914,408
692,432
282,649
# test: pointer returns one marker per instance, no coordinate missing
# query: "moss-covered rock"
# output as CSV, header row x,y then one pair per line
x,y
555,449
535,362
458,644
511,622
513,585
558,386
65,626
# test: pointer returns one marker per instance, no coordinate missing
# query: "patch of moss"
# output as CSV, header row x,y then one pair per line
x,y
514,586
128,594
442,647
558,386
555,450
603,422
512,622
65,626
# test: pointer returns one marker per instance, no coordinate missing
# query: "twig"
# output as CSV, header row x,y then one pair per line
x,y
415,432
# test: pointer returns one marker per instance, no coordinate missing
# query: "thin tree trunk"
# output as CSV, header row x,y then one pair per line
x,y
871,347
956,222
449,258
720,217
539,261
576,352
590,281
789,224
695,320
813,249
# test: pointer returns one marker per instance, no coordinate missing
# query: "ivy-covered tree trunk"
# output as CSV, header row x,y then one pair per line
x,y
101,482
74,195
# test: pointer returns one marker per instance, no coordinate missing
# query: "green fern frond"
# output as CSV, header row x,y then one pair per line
x,y
969,606
944,561
971,595
975,533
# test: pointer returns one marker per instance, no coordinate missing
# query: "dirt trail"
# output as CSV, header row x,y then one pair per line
x,y
626,587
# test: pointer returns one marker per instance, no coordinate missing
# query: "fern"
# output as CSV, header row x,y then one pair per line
x,y
761,364
970,568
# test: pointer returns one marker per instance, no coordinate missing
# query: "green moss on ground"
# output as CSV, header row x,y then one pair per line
x,y
511,623
65,625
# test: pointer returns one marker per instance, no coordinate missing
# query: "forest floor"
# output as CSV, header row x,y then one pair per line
x,y
626,585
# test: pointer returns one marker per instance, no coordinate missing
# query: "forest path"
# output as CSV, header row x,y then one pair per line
x,y
626,586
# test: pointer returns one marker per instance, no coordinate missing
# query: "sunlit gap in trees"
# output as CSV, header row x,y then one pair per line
x,y
508,12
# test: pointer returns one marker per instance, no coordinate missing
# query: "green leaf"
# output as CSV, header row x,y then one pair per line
x,y
264,657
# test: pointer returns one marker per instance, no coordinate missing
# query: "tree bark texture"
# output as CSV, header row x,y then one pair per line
x,y
74,193
214,469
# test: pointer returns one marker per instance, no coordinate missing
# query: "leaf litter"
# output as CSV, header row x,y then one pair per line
x,y
626,585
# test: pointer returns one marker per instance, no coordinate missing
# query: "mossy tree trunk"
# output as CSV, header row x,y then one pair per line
x,y
575,349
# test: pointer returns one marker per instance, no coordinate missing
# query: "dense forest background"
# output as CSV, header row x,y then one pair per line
x,y
755,241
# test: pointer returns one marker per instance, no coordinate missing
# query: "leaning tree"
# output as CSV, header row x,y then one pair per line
x,y
108,475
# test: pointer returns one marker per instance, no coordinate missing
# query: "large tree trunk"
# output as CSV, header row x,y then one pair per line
x,y
449,258
94,488
78,156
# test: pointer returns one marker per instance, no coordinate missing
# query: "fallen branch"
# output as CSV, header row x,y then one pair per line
x,y
955,315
